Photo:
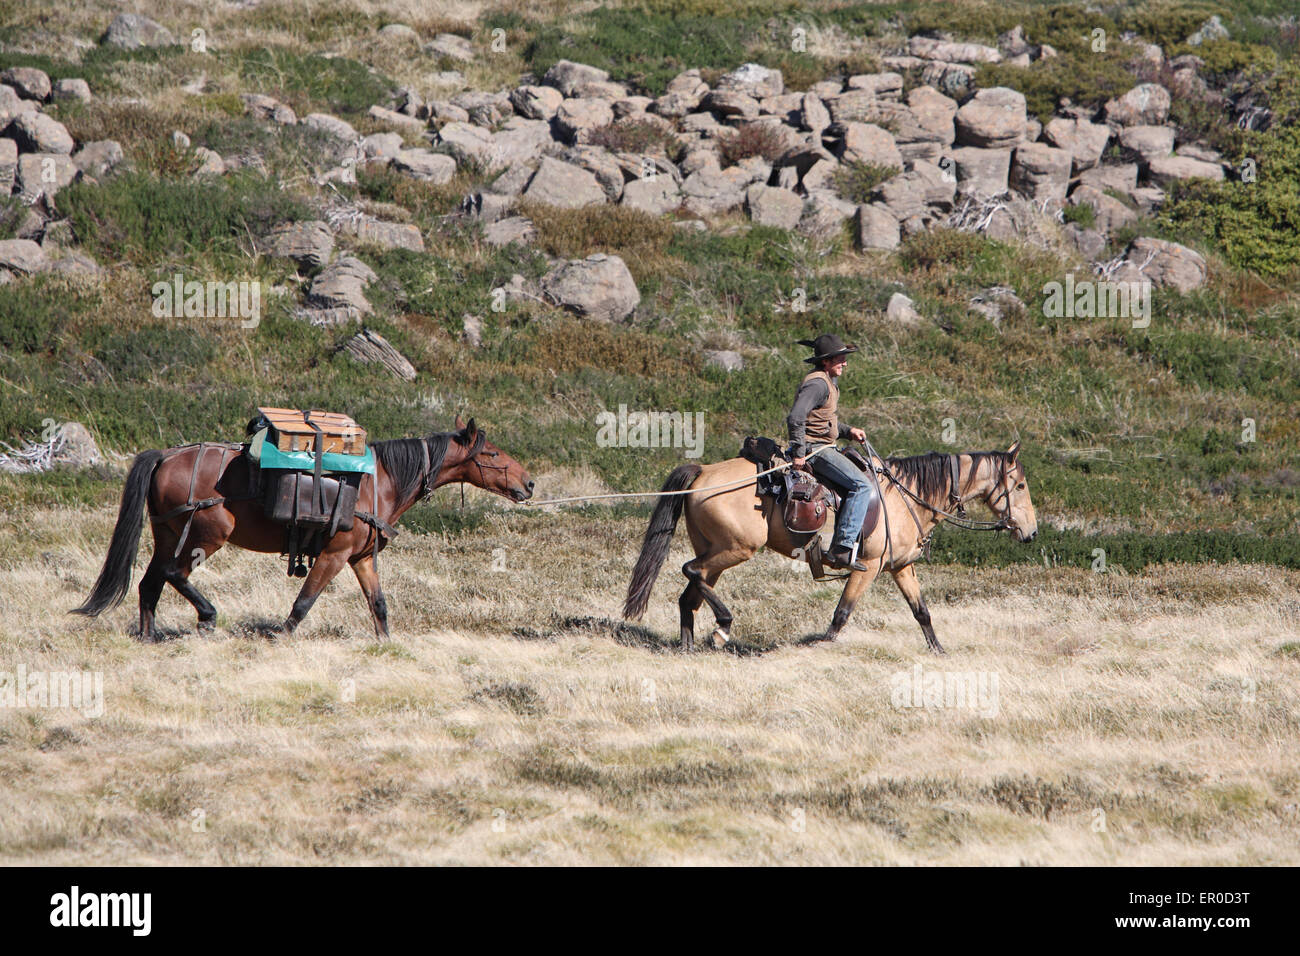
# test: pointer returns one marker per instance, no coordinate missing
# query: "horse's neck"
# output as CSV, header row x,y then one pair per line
x,y
448,472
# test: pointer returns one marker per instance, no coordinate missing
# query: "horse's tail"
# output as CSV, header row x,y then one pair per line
x,y
658,538
115,576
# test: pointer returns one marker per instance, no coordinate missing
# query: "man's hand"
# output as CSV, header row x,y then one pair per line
x,y
857,434
799,463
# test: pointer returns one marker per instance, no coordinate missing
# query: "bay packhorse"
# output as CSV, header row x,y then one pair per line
x,y
728,527
217,477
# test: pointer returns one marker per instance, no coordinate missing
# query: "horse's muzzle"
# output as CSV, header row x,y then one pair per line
x,y
524,493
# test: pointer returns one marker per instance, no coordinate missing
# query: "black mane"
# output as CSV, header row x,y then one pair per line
x,y
928,475
403,460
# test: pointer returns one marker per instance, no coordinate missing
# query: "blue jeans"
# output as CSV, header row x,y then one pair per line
x,y
857,490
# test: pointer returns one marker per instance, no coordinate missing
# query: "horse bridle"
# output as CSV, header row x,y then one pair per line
x,y
958,515
475,452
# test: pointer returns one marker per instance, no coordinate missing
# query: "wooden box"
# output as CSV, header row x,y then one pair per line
x,y
290,431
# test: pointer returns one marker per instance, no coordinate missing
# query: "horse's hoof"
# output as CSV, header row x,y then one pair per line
x,y
719,633
937,650
207,627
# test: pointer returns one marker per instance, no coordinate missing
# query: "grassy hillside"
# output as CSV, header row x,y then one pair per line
x,y
1128,433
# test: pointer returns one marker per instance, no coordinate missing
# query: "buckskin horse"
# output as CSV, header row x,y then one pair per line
x,y
406,469
728,527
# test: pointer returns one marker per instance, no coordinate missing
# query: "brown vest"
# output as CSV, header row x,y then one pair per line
x,y
823,423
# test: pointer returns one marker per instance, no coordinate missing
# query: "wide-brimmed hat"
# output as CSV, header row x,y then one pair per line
x,y
827,345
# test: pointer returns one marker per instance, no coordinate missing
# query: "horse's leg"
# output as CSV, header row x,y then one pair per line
x,y
906,580
858,582
368,578
704,573
207,535
151,588
688,604
327,565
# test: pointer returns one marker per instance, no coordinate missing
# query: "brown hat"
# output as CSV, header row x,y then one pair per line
x,y
826,345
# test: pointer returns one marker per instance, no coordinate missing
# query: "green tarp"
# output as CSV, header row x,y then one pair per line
x,y
268,456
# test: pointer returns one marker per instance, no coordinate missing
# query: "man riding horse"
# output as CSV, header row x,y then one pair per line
x,y
814,423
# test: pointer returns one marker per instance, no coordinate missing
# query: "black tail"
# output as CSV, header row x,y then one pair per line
x,y
115,576
658,538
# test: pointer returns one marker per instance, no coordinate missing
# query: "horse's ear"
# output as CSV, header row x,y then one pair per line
x,y
1014,450
460,422
471,429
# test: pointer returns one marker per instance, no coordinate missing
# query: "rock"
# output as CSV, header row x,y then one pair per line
x,y
22,255
447,112
929,49
1121,178
71,89
1144,105
876,227
29,82
130,31
466,142
982,173
38,133
1040,172
788,108
820,175
1167,263
505,231
308,243
1109,213
381,145
422,164
656,195
12,105
813,114
486,206
902,310
97,158
1212,29
675,105
536,102
996,302
863,106
332,125
1023,220
1167,169
884,86
44,173
1200,151
1091,243
8,166
710,191
472,330
576,116
562,184
602,164
395,120
1148,198
210,162
824,215
1148,142
607,90
398,31
772,206
268,108
519,140
342,286
180,140
1084,141
631,107
724,359
389,235
598,287
993,119
731,103
904,196
705,157
866,143
930,119
450,45
371,348
514,179
1013,42
952,79
753,80
567,76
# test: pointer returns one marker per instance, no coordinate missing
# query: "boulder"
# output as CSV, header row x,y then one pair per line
x,y
389,235
1109,213
993,119
562,184
824,215
753,80
71,89
395,120
450,45
982,173
466,142
602,164
309,243
603,90
930,118
930,49
863,106
342,286
44,173
332,125
710,191
423,164
1167,263
39,133
8,166
22,255
536,102
576,116
29,82
130,31
1090,243
12,105
813,114
884,86
268,108
210,162
725,359
1167,169
1148,142
519,140
1084,141
514,179
567,76
731,103
875,227
1212,29
902,310
514,229
1040,172
382,145
866,143
772,206
1121,178
656,195
598,287
1144,105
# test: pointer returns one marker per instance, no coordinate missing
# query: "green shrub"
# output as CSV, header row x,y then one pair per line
x,y
1086,79
636,136
332,84
1224,57
856,181
1082,215
953,247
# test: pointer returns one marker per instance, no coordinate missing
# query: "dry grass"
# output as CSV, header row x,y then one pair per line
x,y
512,720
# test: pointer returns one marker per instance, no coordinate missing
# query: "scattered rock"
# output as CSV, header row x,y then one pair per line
x,y
1109,213
982,173
29,82
772,206
1212,29
993,119
1144,105
342,286
394,119
1166,263
1040,172
753,80
332,125
1166,169
930,49
472,330
268,108
654,194
561,184
710,191
536,102
597,287
876,227
724,359
44,173
389,235
422,164
1084,141
996,303
369,347
505,231
130,31
450,45
1149,142
867,143
902,310
8,166
566,76
309,243
71,89
38,133
22,255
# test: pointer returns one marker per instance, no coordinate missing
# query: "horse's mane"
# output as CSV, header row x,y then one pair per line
x,y
928,474
403,460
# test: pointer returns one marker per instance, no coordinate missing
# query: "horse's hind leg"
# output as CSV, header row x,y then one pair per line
x,y
704,573
206,538
688,604
906,580
151,588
